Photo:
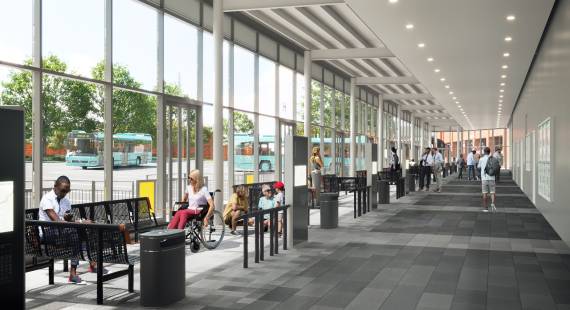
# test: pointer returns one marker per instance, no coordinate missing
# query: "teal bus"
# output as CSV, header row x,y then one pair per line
x,y
85,150
244,155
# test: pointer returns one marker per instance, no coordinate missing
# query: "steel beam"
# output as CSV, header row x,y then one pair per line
x,y
381,80
108,102
248,5
352,53
218,145
352,127
37,106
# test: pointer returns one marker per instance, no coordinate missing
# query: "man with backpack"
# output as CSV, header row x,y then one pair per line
x,y
499,157
490,167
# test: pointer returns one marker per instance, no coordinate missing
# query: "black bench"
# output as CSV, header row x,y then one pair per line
x,y
102,243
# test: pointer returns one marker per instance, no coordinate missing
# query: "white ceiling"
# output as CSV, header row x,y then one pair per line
x,y
337,27
466,40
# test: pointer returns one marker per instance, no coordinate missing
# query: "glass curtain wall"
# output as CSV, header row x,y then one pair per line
x,y
76,84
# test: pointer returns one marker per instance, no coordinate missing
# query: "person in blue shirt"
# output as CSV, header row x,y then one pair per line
x,y
266,202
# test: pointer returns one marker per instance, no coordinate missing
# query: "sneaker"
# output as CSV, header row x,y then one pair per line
x,y
485,210
493,207
233,232
94,270
74,279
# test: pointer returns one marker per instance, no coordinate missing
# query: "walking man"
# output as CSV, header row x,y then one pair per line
x,y
471,165
437,168
427,159
460,164
487,181
499,157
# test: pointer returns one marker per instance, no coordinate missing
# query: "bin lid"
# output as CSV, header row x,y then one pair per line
x,y
162,233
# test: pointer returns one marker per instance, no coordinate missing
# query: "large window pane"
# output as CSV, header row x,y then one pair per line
x,y
208,69
244,65
73,140
73,31
266,86
243,147
328,106
180,58
285,92
16,35
300,100
316,102
266,163
135,41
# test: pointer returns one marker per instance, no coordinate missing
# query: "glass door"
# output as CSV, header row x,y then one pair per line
x,y
180,144
341,157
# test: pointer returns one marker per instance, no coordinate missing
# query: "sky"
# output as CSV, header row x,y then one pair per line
x,y
74,31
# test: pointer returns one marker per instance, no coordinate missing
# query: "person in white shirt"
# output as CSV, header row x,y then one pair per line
x,y
425,172
499,157
56,207
471,165
437,168
487,182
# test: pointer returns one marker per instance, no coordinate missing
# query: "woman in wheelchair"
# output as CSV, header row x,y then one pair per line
x,y
197,195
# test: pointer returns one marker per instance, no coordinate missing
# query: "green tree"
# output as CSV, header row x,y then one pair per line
x,y
132,112
67,104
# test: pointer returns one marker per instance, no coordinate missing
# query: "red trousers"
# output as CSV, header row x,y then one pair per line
x,y
181,218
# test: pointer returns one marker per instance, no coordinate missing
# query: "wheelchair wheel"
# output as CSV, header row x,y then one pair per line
x,y
194,245
212,235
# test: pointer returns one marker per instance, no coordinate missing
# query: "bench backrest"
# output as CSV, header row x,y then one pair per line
x,y
94,242
143,217
254,192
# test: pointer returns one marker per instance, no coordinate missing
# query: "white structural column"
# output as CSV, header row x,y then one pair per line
x,y
352,127
278,155
160,123
333,143
108,98
37,125
413,154
458,148
218,147
379,127
308,99
322,122
231,163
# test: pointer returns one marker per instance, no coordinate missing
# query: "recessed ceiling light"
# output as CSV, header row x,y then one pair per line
x,y
503,76
446,86
393,1
508,39
500,104
451,93
501,96
430,59
506,54
442,79
410,26
504,66
511,17
501,101
421,45
503,84
502,90
436,70
459,106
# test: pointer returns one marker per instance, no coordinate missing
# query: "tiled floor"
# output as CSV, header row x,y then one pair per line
x,y
424,251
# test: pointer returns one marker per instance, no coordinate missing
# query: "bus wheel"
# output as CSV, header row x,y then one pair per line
x,y
264,166
138,161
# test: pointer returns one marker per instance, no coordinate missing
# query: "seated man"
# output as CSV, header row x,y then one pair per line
x,y
266,202
236,207
55,207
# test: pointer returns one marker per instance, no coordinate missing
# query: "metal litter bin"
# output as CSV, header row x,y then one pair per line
x,y
411,182
329,210
163,267
384,192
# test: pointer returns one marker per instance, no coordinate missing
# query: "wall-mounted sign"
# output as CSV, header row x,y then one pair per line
x,y
6,206
374,167
300,175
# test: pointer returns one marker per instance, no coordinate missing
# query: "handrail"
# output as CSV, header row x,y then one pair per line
x,y
258,232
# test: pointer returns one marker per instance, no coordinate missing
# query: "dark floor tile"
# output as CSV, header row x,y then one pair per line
x,y
279,294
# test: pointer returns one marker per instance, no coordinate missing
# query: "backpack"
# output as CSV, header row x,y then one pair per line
x,y
396,162
493,166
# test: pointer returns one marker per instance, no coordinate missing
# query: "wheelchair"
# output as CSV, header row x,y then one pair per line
x,y
197,233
